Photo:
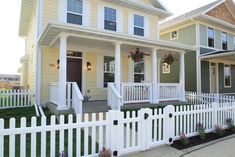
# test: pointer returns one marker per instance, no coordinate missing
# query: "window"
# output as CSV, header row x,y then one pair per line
x,y
227,75
234,42
109,70
224,41
211,37
174,35
138,25
139,71
74,13
110,17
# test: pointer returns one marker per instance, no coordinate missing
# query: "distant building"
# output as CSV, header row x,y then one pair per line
x,y
9,81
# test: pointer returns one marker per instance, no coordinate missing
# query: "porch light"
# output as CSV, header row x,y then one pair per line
x,y
58,64
88,65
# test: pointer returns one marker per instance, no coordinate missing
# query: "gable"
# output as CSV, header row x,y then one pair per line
x,y
152,3
222,12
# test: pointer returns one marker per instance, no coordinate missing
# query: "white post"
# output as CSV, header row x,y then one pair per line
x,y
182,76
63,73
118,66
154,76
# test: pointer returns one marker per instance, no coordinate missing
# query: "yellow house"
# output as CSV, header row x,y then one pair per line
x,y
77,48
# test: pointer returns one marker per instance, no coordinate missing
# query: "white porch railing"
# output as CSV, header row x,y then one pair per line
x,y
74,97
169,91
136,92
114,98
54,93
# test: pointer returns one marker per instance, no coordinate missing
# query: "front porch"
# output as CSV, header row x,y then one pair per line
x,y
115,78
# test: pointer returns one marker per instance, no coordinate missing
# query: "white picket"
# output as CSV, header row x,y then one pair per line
x,y
70,137
33,137
61,132
43,137
12,138
1,138
52,137
23,138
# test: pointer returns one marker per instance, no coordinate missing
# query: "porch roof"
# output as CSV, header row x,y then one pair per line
x,y
220,56
54,29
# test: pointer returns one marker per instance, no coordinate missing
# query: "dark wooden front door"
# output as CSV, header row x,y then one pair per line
x,y
74,71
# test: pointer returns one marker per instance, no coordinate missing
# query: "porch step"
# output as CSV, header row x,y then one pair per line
x,y
53,109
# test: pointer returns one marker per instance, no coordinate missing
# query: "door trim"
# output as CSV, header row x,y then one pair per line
x,y
217,76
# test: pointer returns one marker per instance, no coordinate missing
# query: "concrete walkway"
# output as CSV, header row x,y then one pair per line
x,y
220,148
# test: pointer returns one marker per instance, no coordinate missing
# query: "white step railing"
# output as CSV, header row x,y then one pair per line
x,y
15,98
169,91
74,97
114,98
136,92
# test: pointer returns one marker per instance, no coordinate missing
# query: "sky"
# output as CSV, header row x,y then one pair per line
x,y
12,46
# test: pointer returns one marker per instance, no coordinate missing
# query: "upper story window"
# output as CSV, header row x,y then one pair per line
x,y
138,25
234,42
224,41
227,75
211,37
174,35
109,70
110,19
139,71
74,11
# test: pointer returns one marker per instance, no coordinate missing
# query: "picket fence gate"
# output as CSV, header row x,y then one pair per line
x,y
15,98
123,133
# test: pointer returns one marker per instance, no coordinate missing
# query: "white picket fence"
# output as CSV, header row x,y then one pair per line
x,y
123,133
194,98
15,98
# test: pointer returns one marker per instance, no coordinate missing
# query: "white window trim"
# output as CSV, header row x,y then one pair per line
x,y
144,28
230,76
208,37
175,37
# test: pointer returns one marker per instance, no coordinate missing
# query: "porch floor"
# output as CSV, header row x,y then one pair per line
x,y
101,106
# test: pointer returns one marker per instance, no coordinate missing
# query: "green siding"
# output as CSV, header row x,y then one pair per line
x,y
173,76
203,35
205,77
218,39
190,72
186,35
221,80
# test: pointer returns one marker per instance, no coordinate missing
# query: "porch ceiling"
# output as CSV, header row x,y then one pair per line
x,y
227,57
84,35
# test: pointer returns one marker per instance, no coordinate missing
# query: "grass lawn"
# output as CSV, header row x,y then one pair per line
x,y
29,112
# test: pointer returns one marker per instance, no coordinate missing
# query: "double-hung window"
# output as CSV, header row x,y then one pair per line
x,y
74,11
211,37
110,19
224,41
109,70
234,42
139,71
138,25
227,75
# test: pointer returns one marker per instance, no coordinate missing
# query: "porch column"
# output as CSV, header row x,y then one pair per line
x,y
182,77
154,76
62,73
118,66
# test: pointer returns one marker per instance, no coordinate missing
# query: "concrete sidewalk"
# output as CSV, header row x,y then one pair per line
x,y
220,148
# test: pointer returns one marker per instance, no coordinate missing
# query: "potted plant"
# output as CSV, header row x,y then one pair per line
x,y
169,59
137,56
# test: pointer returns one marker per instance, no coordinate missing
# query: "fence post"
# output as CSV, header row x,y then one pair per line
x,y
215,106
169,125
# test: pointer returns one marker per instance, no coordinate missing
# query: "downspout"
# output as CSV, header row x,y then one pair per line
x,y
38,53
198,59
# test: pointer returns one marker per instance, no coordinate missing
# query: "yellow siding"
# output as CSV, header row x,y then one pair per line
x,y
50,11
31,51
49,72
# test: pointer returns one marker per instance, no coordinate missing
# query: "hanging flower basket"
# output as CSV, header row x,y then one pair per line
x,y
137,56
169,59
